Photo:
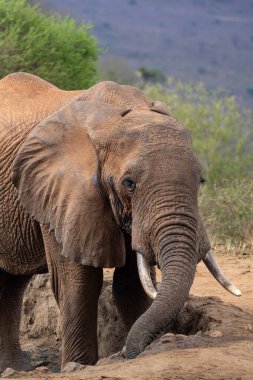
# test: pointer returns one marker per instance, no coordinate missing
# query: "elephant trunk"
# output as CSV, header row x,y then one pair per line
x,y
175,246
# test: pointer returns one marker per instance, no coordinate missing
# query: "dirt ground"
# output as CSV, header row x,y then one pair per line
x,y
212,339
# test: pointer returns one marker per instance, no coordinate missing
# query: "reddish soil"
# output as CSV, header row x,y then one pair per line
x,y
213,338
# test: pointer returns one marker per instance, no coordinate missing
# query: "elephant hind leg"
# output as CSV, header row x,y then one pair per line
x,y
11,296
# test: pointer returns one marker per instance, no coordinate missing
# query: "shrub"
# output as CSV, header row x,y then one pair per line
x,y
151,74
118,70
228,212
250,91
56,49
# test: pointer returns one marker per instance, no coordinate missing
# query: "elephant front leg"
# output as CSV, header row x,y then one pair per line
x,y
80,290
76,289
11,295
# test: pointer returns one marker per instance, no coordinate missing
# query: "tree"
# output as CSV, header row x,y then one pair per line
x,y
54,48
118,70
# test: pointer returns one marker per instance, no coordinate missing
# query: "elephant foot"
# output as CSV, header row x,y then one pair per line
x,y
17,362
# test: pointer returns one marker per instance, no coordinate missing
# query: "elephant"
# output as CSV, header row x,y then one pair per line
x,y
93,179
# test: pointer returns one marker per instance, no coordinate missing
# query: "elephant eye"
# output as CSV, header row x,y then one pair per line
x,y
129,184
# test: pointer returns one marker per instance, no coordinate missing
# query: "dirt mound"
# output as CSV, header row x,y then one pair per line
x,y
210,339
203,322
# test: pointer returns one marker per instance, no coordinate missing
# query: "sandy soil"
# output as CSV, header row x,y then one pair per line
x,y
214,337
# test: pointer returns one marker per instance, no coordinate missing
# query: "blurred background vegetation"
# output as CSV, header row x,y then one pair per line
x,y
52,47
66,54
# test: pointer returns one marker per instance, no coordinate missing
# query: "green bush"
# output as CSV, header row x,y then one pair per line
x,y
53,48
151,74
250,91
222,132
118,70
228,212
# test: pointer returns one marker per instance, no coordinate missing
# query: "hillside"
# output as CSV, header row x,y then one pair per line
x,y
193,40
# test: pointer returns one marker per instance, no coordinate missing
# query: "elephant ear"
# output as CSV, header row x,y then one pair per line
x,y
56,174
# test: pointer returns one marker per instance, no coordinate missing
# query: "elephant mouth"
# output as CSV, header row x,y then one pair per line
x,y
210,262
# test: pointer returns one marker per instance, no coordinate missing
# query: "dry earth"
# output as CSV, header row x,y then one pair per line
x,y
212,338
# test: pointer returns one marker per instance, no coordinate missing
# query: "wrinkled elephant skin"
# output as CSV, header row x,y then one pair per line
x,y
87,179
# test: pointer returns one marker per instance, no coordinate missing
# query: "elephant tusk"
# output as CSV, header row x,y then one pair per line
x,y
145,278
213,267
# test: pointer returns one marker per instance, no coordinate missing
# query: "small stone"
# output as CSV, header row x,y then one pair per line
x,y
40,281
42,369
72,366
215,334
8,372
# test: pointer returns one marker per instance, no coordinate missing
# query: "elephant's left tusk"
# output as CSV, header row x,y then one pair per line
x,y
144,274
213,267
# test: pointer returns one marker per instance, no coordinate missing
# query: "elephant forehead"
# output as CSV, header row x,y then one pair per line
x,y
140,151
154,133
112,93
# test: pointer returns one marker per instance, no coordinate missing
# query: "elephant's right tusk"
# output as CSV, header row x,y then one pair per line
x,y
145,278
213,267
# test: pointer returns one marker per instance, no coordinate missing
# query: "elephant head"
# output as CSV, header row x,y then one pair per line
x,y
112,162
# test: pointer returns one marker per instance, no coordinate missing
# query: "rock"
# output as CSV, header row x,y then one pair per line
x,y
42,369
72,366
214,334
8,372
40,317
40,281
